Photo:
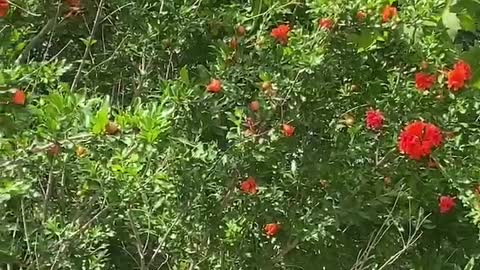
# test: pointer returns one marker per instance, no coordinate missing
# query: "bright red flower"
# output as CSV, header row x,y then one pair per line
x,y
361,15
272,229
325,23
4,7
215,86
388,13
374,119
456,78
288,130
418,140
464,68
249,186
19,97
424,81
446,204
280,33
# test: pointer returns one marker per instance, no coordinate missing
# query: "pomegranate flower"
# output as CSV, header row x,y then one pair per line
x,y
388,13
215,86
280,33
446,204
374,119
418,140
424,81
4,7
249,186
325,23
361,16
272,229
19,97
457,77
288,130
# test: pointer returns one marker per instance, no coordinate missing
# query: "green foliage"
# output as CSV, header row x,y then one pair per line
x,y
120,158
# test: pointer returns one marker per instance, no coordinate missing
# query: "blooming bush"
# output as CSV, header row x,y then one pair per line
x,y
239,134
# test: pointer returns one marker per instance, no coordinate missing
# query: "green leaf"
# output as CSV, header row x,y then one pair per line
x,y
451,22
184,75
101,119
472,56
467,22
365,39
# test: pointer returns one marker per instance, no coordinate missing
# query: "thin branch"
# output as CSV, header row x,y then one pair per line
x,y
115,11
25,230
138,241
47,193
162,242
36,40
87,47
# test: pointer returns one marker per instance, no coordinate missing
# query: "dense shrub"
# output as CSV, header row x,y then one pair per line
x,y
252,134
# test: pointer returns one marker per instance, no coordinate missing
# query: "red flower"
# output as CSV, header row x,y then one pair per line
x,y
215,86
249,186
456,78
272,229
418,139
280,33
19,97
374,119
464,68
361,15
388,13
446,204
424,81
4,7
325,23
288,130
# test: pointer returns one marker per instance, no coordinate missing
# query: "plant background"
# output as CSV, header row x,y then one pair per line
x,y
163,193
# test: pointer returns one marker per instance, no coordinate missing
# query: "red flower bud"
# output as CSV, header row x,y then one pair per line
x,y
374,119
446,204
361,16
280,33
288,130
272,229
325,23
19,97
388,13
4,7
249,186
215,86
